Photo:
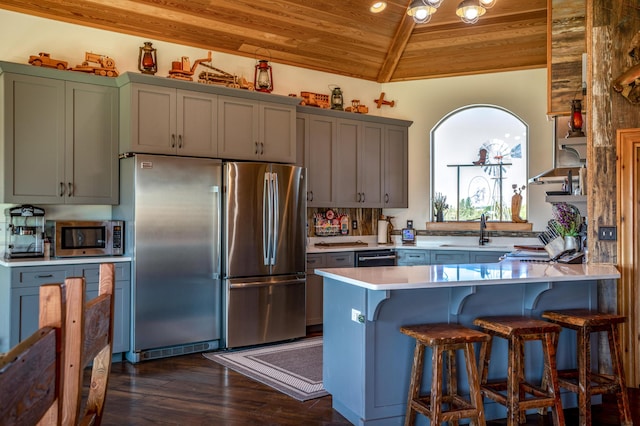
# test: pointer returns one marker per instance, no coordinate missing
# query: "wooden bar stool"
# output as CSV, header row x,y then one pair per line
x,y
444,339
582,380
515,392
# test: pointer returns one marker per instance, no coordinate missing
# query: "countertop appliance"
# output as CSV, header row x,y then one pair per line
x,y
80,238
171,209
264,237
386,257
25,232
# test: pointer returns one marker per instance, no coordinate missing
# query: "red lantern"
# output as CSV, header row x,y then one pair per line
x,y
576,121
263,78
147,62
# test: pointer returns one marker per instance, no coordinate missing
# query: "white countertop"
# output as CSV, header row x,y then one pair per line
x,y
438,276
39,261
503,244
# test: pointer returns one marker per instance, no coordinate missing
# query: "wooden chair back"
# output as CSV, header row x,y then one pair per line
x,y
31,378
89,340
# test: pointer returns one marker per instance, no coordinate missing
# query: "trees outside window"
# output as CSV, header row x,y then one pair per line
x,y
479,161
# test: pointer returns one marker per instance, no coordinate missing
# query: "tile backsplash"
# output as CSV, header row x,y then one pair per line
x,y
366,219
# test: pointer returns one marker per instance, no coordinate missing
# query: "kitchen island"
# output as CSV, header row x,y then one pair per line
x,y
367,361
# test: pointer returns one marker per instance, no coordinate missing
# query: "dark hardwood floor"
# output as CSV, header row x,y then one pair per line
x,y
191,390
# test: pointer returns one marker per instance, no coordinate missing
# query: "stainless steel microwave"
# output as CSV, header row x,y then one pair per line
x,y
77,238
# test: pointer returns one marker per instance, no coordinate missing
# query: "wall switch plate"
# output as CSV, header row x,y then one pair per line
x,y
355,315
354,224
409,224
607,233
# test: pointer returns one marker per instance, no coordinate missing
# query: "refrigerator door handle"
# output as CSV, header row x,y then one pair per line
x,y
266,218
254,284
276,217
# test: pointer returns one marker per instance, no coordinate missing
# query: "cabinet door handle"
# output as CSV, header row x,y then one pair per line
x,y
173,140
261,148
179,141
44,276
61,189
363,197
256,151
70,189
386,198
311,196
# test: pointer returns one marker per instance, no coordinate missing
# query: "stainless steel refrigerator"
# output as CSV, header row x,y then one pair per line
x,y
171,207
264,246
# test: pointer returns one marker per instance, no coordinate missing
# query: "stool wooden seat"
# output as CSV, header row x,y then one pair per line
x,y
444,339
515,392
583,381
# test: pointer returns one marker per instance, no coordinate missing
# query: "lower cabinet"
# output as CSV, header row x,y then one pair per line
x,y
413,257
24,299
314,282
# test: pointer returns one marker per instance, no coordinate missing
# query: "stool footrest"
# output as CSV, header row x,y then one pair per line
x,y
539,397
600,383
458,407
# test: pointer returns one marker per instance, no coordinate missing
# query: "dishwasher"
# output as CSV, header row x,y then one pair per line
x,y
368,258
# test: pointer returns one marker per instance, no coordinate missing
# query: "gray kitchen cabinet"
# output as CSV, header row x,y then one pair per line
x,y
314,282
358,164
360,161
250,130
413,257
446,257
166,120
59,140
396,166
485,256
320,145
19,300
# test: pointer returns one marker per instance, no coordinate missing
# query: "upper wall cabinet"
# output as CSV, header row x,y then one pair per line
x,y
261,131
164,120
175,117
354,160
60,136
396,167
566,42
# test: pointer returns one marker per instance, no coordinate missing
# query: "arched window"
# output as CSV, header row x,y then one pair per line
x,y
478,162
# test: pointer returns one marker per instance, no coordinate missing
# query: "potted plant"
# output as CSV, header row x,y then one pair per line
x,y
567,221
439,206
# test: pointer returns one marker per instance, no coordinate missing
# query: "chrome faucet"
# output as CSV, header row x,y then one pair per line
x,y
483,228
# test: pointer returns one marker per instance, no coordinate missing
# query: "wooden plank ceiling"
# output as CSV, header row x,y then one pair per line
x,y
336,36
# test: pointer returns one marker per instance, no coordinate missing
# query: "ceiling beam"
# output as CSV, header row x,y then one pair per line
x,y
396,48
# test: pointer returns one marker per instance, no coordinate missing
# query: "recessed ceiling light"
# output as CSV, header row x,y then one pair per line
x,y
378,6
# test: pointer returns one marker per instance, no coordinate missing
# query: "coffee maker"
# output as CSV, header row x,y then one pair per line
x,y
25,232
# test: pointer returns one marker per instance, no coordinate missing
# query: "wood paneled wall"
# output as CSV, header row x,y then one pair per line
x,y
611,25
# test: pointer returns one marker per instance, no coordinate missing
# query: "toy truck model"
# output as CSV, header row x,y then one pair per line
x,y
98,65
45,60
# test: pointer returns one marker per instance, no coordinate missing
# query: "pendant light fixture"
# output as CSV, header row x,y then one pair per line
x,y
420,11
469,11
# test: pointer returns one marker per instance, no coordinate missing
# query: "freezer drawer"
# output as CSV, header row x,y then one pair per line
x,y
265,310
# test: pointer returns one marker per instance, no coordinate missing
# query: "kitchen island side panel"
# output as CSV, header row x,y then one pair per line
x,y
367,365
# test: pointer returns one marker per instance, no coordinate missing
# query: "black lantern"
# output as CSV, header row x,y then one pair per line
x,y
147,61
336,99
263,78
575,121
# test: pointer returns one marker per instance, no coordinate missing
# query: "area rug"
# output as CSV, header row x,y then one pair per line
x,y
294,369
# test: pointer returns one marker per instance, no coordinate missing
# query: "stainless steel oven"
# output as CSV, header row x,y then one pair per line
x,y
386,257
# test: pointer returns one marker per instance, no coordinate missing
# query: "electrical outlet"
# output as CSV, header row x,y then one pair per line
x,y
607,233
355,315
354,224
410,224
